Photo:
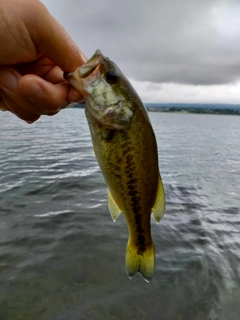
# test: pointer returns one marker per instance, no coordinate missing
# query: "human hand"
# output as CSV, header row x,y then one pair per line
x,y
35,50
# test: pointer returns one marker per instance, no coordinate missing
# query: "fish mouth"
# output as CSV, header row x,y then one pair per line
x,y
85,70
88,68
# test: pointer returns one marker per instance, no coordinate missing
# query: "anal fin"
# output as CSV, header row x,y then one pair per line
x,y
159,205
113,207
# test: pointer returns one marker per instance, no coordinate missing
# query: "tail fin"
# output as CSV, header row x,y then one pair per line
x,y
140,262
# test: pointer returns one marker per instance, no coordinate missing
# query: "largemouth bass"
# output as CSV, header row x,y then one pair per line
x,y
126,150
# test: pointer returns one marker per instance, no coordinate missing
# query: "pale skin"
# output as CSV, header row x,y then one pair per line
x,y
34,51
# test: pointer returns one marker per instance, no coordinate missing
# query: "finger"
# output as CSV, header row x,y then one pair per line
x,y
3,106
39,67
33,93
43,94
51,39
21,113
9,79
43,68
52,73
48,71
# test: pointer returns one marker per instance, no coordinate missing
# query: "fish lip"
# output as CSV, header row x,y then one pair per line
x,y
86,69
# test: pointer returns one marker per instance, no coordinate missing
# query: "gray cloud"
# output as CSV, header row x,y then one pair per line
x,y
182,41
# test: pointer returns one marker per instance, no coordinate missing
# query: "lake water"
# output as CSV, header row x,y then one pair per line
x,y
62,257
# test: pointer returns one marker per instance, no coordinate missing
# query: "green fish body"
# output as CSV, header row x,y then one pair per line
x,y
126,150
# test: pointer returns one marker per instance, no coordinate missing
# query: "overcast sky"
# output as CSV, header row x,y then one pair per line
x,y
172,50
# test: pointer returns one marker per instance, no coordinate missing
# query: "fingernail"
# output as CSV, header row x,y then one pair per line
x,y
75,96
8,81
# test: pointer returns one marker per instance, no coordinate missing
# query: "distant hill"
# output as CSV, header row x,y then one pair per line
x,y
195,105
194,108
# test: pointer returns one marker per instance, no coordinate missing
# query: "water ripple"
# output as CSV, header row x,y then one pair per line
x,y
59,245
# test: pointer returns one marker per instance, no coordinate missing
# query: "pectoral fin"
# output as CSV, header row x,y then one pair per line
x,y
113,207
159,205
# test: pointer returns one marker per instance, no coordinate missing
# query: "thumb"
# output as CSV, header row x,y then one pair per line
x,y
53,41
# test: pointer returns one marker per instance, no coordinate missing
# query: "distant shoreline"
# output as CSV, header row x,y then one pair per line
x,y
196,109
226,111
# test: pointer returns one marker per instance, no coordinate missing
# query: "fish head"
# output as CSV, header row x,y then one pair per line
x,y
106,91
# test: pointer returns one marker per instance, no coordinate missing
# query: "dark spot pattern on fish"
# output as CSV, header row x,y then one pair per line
x,y
133,191
126,151
132,182
118,176
131,187
129,175
110,134
115,168
140,229
136,208
125,138
141,241
129,159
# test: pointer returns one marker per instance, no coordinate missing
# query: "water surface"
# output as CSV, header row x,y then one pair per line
x,y
62,257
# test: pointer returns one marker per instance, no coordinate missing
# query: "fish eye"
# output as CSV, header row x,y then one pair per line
x,y
111,77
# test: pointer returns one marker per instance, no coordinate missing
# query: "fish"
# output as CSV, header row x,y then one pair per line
x,y
126,150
